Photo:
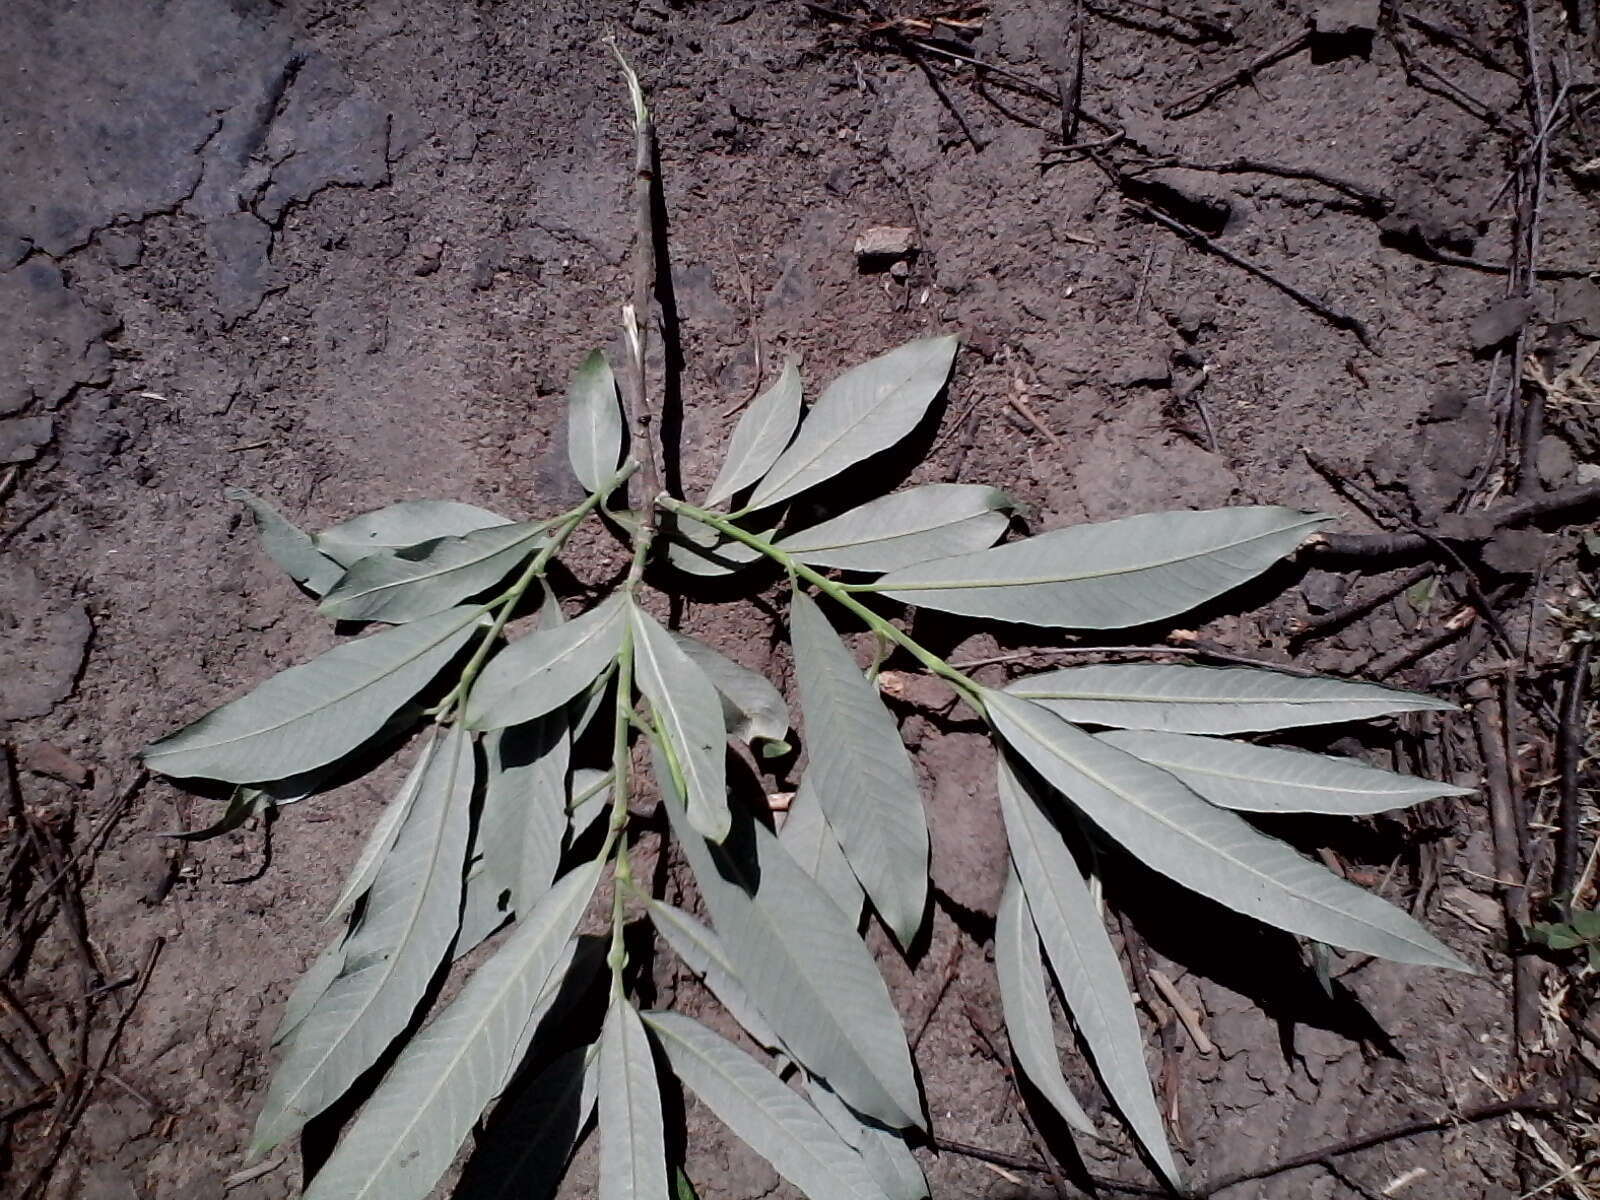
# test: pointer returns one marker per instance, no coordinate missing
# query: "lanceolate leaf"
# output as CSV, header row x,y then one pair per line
x,y
1163,823
690,715
1178,699
811,842
759,437
1025,1000
633,1153
245,804
860,772
752,709
867,409
408,1132
413,581
702,952
539,673
318,977
517,845
403,524
382,837
1273,779
884,1151
772,1119
288,545
933,521
1086,966
594,422
317,712
405,932
527,1146
802,964
700,550
1110,575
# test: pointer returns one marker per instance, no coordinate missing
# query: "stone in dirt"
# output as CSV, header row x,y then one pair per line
x,y
883,244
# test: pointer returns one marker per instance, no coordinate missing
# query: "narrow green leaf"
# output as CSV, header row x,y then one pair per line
x,y
802,964
594,422
1061,909
633,1151
860,772
317,712
288,545
702,551
408,1132
405,932
759,437
591,791
311,986
245,804
867,409
383,835
1025,1000
1178,699
689,713
682,1189
415,581
752,709
527,1146
773,1120
1274,779
1109,575
539,673
883,1151
811,842
1206,848
703,953
407,523
517,845
936,520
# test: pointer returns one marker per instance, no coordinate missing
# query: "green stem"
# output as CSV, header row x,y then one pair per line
x,y
621,761
506,602
964,685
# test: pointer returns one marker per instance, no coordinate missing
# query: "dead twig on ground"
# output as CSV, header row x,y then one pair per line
x,y
1374,505
1192,102
1568,503
1370,199
81,1091
1310,627
1509,860
1069,74
1394,1133
1334,317
1571,737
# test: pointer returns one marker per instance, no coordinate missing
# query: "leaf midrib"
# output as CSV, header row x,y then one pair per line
x,y
392,962
378,589
772,487
956,585
478,610
1226,855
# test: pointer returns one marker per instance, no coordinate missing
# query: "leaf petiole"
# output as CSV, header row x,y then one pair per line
x,y
963,684
506,602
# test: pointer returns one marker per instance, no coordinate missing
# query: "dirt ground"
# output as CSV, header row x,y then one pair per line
x,y
344,254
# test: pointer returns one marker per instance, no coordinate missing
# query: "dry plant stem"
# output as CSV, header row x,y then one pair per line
x,y
1340,320
1316,626
643,420
1569,757
1508,861
1191,103
1568,502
